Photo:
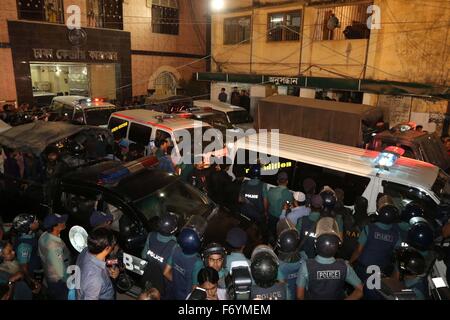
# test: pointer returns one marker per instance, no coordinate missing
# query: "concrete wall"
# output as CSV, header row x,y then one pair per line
x,y
144,68
191,40
413,44
345,57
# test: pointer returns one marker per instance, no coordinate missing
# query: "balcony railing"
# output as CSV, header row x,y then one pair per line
x,y
41,10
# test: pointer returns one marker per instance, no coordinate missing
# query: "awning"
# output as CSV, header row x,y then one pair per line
x,y
364,85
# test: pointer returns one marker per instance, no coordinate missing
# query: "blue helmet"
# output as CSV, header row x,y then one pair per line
x,y
412,210
168,224
189,241
255,171
421,236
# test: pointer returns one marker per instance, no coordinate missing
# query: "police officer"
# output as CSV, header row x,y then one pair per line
x,y
276,199
26,245
377,242
289,257
329,202
185,258
411,210
264,268
353,225
219,182
237,240
158,249
412,267
253,197
306,227
324,277
214,256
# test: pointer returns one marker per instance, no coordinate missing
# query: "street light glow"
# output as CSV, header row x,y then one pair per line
x,y
217,5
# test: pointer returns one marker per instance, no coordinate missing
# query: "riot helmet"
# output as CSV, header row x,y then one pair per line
x,y
288,236
255,171
328,239
168,224
329,198
264,266
412,210
23,222
387,212
410,261
421,235
361,206
214,249
191,236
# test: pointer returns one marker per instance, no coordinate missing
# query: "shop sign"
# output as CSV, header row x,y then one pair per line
x,y
62,54
283,80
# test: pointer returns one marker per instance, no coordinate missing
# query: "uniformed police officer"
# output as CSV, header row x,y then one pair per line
x,y
324,277
237,240
276,199
353,225
411,210
412,267
26,245
377,243
214,256
264,268
329,202
158,249
185,256
253,196
306,227
290,259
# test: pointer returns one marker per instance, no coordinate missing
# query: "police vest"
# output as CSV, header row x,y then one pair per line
x,y
290,273
253,207
379,247
182,269
35,263
351,235
326,281
159,251
308,236
275,292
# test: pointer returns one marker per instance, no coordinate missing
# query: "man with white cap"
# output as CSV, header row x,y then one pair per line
x,y
298,210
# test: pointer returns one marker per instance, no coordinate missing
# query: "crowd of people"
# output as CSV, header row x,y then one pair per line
x,y
240,99
312,247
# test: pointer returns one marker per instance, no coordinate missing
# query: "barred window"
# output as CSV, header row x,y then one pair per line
x,y
342,22
237,30
41,10
165,20
105,14
284,26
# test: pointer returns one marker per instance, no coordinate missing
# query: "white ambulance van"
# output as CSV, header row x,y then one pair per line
x,y
358,172
144,127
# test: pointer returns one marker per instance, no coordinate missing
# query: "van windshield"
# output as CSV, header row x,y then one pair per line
x,y
441,187
98,117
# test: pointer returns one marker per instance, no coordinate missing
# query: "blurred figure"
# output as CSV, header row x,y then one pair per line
x,y
55,256
223,96
150,294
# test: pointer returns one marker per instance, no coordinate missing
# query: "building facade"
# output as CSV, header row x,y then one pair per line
x,y
124,49
326,49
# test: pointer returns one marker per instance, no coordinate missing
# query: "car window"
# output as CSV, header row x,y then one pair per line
x,y
140,134
402,195
118,127
352,185
79,207
177,197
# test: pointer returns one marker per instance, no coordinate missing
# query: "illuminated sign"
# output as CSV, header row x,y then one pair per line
x,y
274,166
123,125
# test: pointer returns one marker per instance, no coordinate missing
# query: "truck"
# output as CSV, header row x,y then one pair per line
x,y
350,124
